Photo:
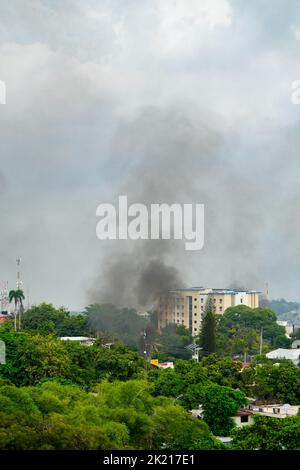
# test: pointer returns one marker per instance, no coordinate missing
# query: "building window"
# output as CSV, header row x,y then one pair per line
x,y
220,300
220,308
201,308
190,313
241,301
195,306
195,329
195,300
215,300
195,321
202,300
244,419
195,314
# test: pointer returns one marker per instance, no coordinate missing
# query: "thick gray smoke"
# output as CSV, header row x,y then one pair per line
x,y
177,155
3,184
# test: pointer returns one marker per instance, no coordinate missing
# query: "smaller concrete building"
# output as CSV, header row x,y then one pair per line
x,y
243,418
275,410
288,328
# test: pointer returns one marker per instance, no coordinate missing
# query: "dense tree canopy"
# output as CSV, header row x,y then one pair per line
x,y
58,394
122,323
173,343
118,415
240,328
280,381
223,370
219,405
31,358
46,319
268,434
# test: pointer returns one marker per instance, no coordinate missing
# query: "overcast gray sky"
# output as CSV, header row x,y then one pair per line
x,y
81,75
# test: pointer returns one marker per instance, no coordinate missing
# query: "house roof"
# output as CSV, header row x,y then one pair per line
x,y
243,413
281,353
76,338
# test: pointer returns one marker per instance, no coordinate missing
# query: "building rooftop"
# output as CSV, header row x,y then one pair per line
x,y
244,413
281,353
76,338
213,290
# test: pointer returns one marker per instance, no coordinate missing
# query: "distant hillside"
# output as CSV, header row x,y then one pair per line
x,y
285,310
279,306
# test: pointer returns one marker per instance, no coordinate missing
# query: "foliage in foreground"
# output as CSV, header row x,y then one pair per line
x,y
118,415
219,405
32,358
268,434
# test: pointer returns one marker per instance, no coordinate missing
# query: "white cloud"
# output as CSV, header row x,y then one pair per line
x,y
296,32
184,24
77,70
210,12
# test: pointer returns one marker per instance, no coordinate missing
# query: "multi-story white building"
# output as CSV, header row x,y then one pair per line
x,y
186,306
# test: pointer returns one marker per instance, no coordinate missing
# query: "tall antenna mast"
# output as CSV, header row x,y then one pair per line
x,y
19,286
4,297
19,282
267,291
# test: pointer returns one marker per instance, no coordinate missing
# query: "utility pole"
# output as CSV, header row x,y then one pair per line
x,y
19,287
195,350
261,340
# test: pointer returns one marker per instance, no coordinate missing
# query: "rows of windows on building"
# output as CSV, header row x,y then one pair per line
x,y
189,309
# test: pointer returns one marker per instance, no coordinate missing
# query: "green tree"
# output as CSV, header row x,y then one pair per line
x,y
219,405
268,434
280,382
185,383
207,338
223,370
17,296
46,319
167,382
174,429
122,323
33,357
240,328
173,342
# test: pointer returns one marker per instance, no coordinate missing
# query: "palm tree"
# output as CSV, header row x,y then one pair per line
x,y
17,296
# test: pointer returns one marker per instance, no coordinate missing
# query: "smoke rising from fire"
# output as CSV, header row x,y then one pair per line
x,y
175,155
